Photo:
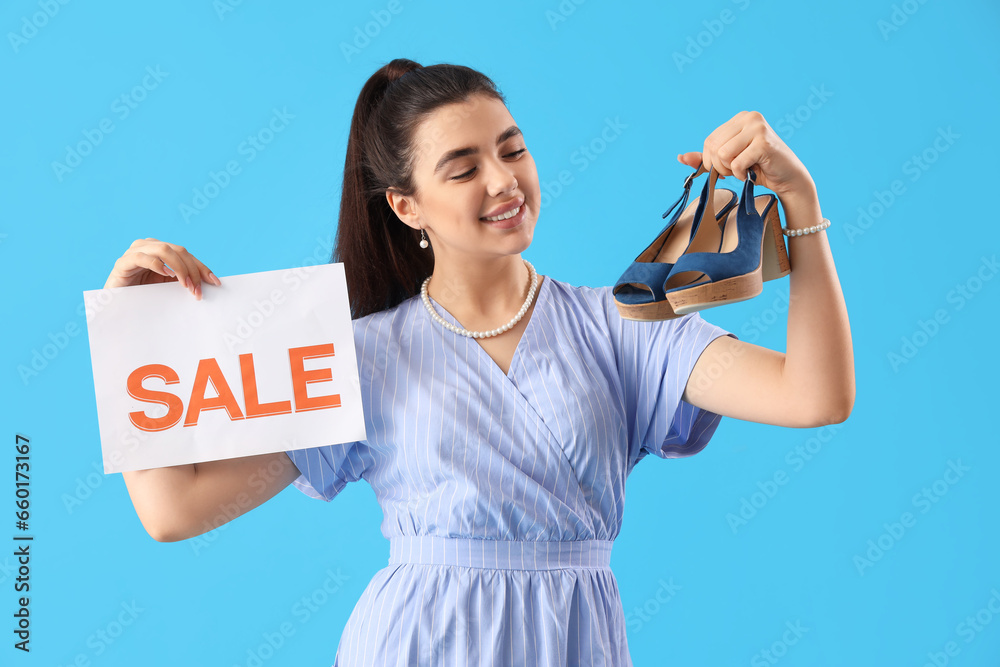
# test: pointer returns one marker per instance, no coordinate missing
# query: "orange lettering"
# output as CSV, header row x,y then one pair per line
x,y
250,398
175,406
208,370
301,378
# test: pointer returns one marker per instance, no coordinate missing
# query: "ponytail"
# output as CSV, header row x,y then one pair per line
x,y
383,261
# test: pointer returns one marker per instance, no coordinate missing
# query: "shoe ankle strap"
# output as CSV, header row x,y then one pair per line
x,y
706,206
682,200
749,207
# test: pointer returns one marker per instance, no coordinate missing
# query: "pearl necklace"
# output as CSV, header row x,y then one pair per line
x,y
483,334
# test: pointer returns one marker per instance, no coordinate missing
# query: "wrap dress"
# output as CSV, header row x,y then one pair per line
x,y
503,493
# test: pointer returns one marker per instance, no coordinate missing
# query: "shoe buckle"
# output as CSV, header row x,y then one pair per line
x,y
687,190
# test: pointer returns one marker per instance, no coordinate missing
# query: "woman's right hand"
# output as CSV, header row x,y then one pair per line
x,y
151,261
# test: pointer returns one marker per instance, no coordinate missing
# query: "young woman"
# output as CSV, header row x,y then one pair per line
x,y
500,460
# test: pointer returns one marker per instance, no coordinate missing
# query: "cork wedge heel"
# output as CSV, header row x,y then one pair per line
x,y
639,293
749,249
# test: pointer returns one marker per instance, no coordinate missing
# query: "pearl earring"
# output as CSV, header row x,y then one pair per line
x,y
423,239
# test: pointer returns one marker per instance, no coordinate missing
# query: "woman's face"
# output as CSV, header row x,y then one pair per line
x,y
470,162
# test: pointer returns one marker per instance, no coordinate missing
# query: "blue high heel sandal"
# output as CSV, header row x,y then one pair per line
x,y
639,293
730,265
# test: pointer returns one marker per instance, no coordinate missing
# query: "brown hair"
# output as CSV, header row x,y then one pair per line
x,y
381,256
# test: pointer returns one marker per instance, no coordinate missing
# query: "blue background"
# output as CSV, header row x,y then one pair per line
x,y
857,90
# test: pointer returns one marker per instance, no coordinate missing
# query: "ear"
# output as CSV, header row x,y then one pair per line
x,y
403,207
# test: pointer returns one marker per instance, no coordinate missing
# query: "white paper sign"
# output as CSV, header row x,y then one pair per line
x,y
264,363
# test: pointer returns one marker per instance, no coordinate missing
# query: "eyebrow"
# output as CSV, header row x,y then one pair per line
x,y
511,131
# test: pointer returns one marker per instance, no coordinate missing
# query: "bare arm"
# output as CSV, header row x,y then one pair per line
x,y
179,502
812,383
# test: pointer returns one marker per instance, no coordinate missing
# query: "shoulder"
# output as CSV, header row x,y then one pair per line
x,y
579,312
578,296
594,308
379,329
594,305
383,340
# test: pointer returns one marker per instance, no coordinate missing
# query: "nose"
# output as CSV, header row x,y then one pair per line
x,y
501,179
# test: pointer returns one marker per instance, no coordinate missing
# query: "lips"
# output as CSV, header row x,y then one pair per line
x,y
500,210
509,222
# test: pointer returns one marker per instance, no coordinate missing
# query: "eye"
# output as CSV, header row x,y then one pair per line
x,y
515,154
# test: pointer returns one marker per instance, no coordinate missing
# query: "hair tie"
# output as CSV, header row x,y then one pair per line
x,y
405,74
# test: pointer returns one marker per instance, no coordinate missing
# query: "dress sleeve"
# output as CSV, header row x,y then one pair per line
x,y
324,471
654,361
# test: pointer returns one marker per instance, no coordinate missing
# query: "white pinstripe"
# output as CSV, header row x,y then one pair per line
x,y
587,395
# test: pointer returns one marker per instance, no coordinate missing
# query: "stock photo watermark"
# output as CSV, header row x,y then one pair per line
x,y
364,34
562,12
924,500
30,25
248,149
898,17
223,7
87,483
302,610
779,648
787,125
122,107
639,616
959,296
796,458
243,502
698,43
582,157
270,304
915,166
102,639
967,630
7,570
756,326
84,488
57,341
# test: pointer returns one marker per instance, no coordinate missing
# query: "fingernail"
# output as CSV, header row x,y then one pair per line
x,y
197,292
215,279
170,272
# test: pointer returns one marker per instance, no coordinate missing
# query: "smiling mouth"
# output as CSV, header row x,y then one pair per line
x,y
504,216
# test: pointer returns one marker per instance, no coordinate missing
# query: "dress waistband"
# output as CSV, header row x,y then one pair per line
x,y
500,554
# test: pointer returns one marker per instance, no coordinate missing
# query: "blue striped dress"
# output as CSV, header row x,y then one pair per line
x,y
503,493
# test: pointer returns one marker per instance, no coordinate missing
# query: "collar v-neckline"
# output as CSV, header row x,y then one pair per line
x,y
542,289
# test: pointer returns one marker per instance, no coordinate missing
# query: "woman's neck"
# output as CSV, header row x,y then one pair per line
x,y
480,292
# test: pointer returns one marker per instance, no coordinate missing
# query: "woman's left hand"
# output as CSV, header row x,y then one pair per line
x,y
745,141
